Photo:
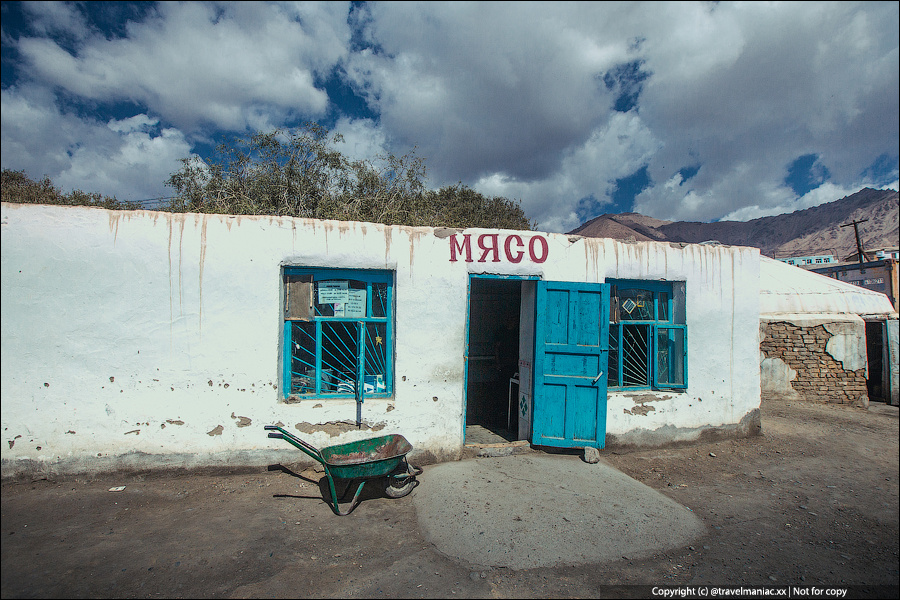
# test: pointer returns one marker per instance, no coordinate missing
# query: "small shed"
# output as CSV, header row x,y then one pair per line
x,y
825,340
142,339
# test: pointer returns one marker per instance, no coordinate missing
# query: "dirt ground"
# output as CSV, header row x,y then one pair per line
x,y
812,501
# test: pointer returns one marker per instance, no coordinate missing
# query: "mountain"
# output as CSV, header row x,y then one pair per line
x,y
813,231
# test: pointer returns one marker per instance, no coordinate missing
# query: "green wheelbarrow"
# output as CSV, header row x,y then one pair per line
x,y
382,458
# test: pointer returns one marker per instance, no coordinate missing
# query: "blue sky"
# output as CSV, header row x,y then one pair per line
x,y
679,111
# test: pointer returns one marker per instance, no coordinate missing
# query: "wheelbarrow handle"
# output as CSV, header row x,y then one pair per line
x,y
279,433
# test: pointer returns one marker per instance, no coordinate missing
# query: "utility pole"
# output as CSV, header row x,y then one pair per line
x,y
859,247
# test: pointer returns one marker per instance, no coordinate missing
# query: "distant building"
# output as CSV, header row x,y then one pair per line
x,y
804,261
872,255
878,275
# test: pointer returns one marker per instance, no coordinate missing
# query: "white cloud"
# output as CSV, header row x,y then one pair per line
x,y
483,87
57,18
507,97
809,79
129,158
613,151
195,64
363,139
501,95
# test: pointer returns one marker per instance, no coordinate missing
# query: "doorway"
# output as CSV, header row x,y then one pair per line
x,y
875,356
492,366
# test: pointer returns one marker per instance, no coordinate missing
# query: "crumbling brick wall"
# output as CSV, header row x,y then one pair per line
x,y
819,377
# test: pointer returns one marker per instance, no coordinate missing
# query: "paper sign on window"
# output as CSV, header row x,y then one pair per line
x,y
356,304
333,292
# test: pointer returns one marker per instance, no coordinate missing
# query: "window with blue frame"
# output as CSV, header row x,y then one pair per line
x,y
338,333
647,335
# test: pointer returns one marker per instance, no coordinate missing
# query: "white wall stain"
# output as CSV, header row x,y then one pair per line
x,y
203,223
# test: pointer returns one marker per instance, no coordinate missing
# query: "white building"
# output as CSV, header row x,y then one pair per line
x,y
802,261
140,339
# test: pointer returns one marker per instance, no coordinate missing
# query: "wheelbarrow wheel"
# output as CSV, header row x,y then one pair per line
x,y
397,488
401,482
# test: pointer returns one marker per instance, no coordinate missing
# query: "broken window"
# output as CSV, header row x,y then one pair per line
x,y
337,333
647,335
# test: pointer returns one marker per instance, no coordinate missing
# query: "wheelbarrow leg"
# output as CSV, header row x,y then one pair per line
x,y
335,506
346,491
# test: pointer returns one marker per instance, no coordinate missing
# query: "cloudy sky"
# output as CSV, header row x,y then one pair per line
x,y
680,111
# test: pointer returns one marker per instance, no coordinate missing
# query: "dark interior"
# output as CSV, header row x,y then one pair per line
x,y
493,354
874,351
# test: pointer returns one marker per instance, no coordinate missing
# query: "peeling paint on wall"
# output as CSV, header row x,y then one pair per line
x,y
241,421
776,377
442,233
640,400
847,346
668,435
217,431
200,272
335,428
388,239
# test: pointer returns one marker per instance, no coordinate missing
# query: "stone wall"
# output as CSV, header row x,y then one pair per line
x,y
814,370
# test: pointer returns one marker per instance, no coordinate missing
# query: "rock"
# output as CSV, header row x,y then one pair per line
x,y
591,455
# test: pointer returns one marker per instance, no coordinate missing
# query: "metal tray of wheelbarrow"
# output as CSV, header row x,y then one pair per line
x,y
374,457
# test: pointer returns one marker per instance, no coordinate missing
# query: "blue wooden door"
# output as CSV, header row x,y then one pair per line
x,y
571,348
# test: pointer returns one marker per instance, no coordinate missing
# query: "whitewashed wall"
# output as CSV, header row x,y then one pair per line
x,y
722,316
146,339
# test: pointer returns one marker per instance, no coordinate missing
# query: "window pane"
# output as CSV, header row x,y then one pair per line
x,y
298,295
376,358
670,349
635,305
614,305
303,358
613,379
663,306
340,357
646,347
635,355
379,300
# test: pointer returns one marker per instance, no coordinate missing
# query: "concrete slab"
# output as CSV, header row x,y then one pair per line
x,y
479,435
541,510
